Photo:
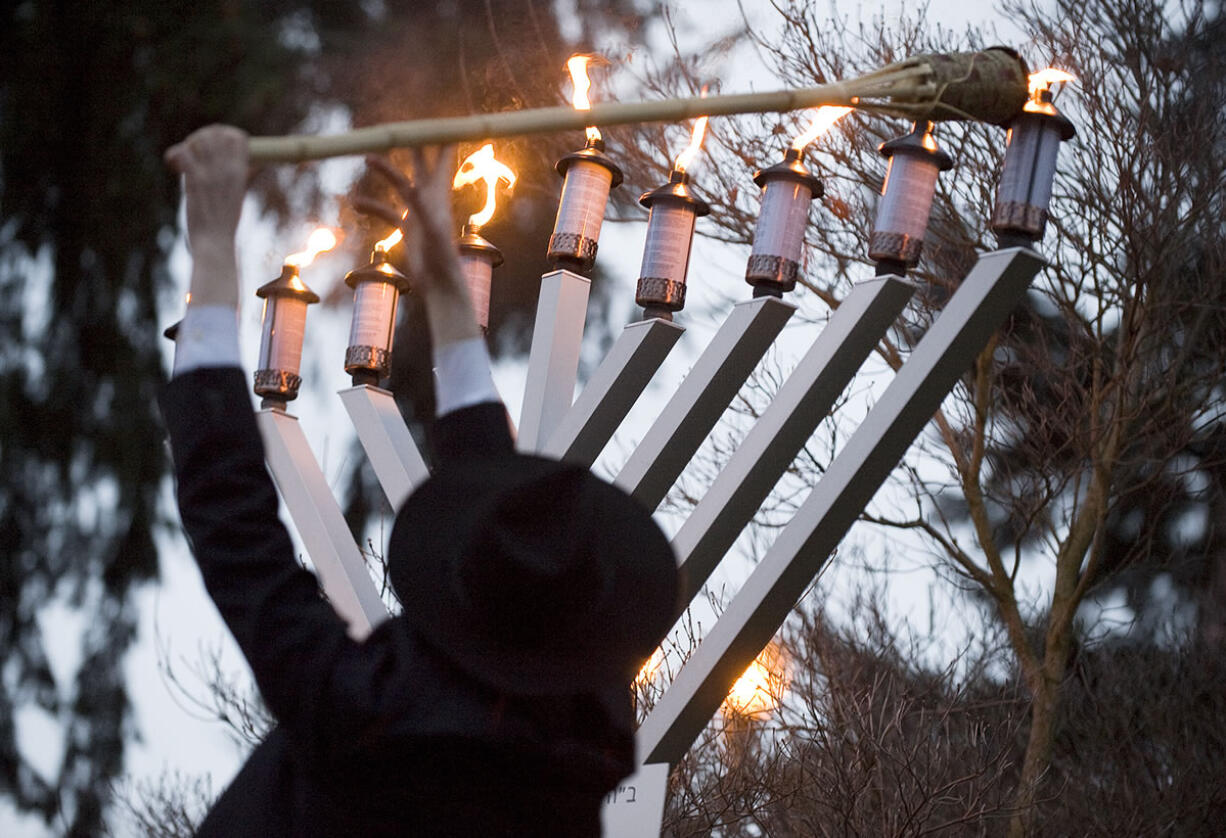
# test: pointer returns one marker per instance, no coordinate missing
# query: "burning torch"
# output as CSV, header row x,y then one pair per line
x,y
672,210
588,175
478,257
989,85
787,189
377,287
1033,143
906,199
283,323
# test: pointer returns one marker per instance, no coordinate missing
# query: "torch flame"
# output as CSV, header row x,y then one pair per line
x,y
1044,79
758,690
478,166
823,119
393,238
685,158
577,65
322,239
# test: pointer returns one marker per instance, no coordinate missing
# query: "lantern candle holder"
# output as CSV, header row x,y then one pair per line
x,y
1033,144
672,210
377,287
906,199
478,258
787,190
588,176
282,328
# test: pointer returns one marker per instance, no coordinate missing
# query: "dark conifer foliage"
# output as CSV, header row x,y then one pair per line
x,y
90,96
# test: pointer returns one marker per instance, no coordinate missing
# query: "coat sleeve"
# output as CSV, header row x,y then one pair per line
x,y
482,430
312,675
290,635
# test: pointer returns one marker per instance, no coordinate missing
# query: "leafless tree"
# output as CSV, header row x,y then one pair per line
x,y
866,740
876,734
173,806
1106,387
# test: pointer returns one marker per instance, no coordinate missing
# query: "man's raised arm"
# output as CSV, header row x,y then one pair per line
x,y
292,638
213,163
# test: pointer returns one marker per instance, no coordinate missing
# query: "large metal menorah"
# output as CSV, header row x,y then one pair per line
x,y
550,424
553,423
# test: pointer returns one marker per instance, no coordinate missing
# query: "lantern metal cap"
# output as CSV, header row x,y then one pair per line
x,y
919,142
288,284
1043,108
473,242
677,191
593,152
380,269
792,168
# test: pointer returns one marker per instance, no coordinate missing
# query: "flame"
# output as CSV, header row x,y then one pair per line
x,y
320,240
393,238
651,666
823,119
577,65
478,166
758,690
1044,79
685,158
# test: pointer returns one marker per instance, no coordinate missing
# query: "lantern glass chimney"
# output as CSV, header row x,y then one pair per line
x,y
1029,170
282,329
478,258
588,175
778,239
376,293
673,209
906,198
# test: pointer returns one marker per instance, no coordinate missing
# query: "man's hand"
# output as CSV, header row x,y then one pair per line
x,y
431,259
214,165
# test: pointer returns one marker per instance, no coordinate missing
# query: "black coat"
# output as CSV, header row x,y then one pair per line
x,y
382,736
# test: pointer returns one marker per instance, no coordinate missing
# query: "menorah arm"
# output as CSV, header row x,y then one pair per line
x,y
976,310
612,391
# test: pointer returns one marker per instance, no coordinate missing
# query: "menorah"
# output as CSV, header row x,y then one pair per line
x,y
552,422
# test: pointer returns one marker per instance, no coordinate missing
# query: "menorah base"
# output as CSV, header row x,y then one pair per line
x,y
1015,216
774,274
578,249
894,247
367,362
277,385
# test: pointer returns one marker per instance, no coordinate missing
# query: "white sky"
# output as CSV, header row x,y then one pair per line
x,y
176,615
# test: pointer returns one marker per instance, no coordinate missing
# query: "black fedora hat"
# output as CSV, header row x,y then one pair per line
x,y
533,576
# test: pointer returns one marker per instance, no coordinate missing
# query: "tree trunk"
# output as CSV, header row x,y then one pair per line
x,y
1043,709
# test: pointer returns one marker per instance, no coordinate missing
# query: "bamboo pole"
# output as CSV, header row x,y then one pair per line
x,y
538,121
920,87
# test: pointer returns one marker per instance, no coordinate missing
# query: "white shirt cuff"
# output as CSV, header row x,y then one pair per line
x,y
462,376
208,337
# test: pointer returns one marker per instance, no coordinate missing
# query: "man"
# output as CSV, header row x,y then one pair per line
x,y
497,703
